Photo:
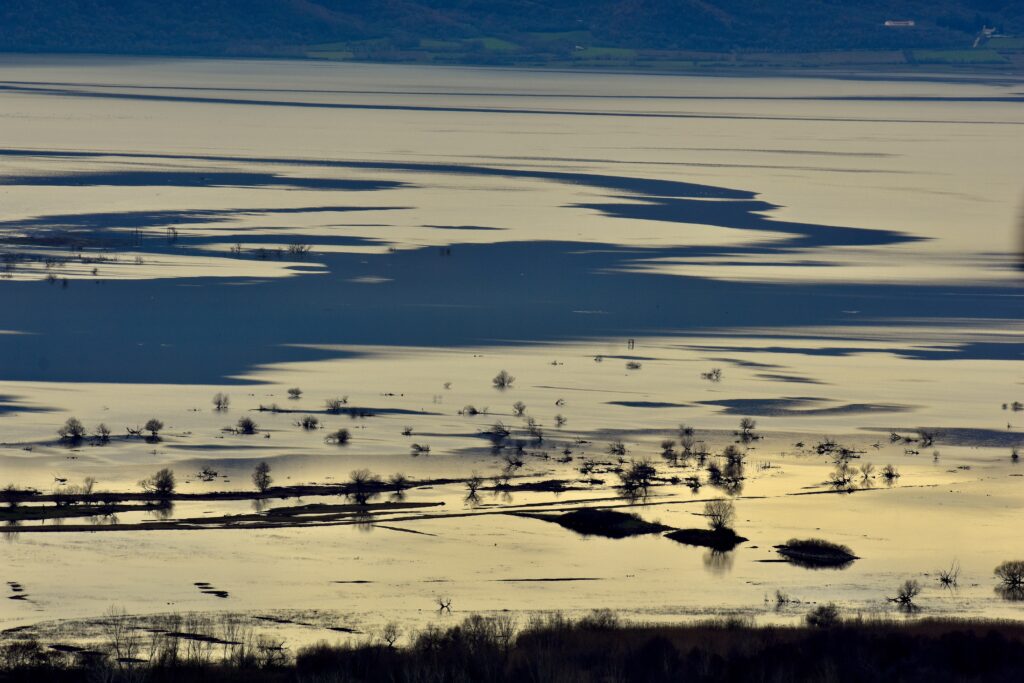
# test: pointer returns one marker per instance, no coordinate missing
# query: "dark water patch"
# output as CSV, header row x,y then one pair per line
x,y
748,215
103,223
212,332
962,436
947,351
648,186
10,404
462,227
780,377
198,178
343,106
557,579
800,406
647,404
745,363
541,94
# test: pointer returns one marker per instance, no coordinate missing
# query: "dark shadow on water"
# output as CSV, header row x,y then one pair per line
x,y
209,330
801,406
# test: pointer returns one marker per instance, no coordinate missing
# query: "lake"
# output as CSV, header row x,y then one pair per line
x,y
843,248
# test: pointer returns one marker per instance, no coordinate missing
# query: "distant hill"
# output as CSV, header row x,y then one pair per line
x,y
493,30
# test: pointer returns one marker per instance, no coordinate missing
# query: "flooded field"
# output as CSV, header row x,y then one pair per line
x,y
650,259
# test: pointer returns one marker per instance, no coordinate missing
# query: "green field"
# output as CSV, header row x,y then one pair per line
x,y
1005,43
983,56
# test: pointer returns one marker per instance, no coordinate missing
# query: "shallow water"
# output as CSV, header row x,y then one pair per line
x,y
843,249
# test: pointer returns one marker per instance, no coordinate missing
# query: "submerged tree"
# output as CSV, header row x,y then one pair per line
x,y
221,401
503,380
720,514
162,483
153,426
340,437
246,425
102,433
72,430
261,478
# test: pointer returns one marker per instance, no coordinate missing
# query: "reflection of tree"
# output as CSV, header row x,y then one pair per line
x,y
259,505
163,512
472,499
10,530
1012,593
363,520
718,562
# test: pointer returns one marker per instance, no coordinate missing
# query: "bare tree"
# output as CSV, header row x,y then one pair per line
x,y
747,425
519,408
72,430
102,433
261,478
162,483
390,633
1011,573
362,485
221,401
720,513
153,426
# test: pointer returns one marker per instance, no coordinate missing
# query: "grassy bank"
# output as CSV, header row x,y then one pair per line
x,y
552,648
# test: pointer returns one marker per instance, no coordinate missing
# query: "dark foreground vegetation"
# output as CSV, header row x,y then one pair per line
x,y
595,648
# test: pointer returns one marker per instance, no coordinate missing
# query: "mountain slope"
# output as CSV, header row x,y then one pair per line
x,y
281,27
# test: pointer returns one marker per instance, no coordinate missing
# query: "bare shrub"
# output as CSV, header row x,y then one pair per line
x,y
823,616
637,478
309,422
712,375
245,425
534,429
102,433
340,437
747,426
294,393
890,473
399,482
949,578
518,408
221,401
906,593
503,380
335,405
733,455
162,483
